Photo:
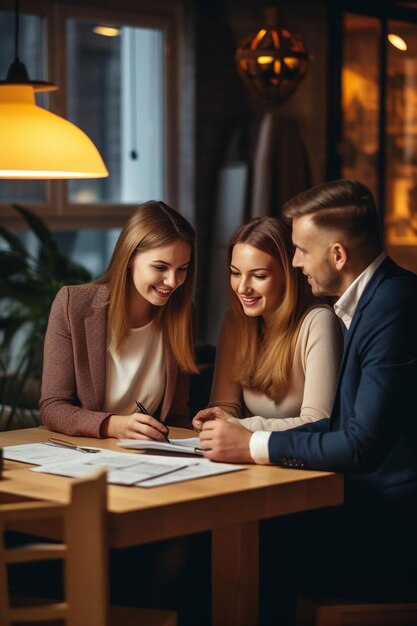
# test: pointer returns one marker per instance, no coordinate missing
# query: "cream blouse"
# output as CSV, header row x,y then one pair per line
x,y
137,373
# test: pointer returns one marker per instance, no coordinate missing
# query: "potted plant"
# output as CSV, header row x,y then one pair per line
x,y
28,285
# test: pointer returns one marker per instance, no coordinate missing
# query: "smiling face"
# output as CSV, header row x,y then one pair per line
x,y
257,279
157,273
315,256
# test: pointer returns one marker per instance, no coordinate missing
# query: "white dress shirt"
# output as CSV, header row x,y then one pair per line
x,y
345,306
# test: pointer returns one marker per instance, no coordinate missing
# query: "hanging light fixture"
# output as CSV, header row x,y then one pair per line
x,y
106,31
35,143
272,61
397,41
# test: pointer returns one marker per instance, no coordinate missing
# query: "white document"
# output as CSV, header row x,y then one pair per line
x,y
123,468
41,453
119,472
202,469
186,446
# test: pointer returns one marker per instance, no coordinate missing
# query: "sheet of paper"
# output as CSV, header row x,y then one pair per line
x,y
186,446
202,469
123,468
40,453
119,471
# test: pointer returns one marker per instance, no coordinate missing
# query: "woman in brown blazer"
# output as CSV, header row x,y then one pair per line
x,y
126,337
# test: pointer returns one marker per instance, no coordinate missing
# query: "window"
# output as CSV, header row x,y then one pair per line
x,y
360,99
120,89
116,93
378,120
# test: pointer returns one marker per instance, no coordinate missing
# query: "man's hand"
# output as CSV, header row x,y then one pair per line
x,y
213,413
225,441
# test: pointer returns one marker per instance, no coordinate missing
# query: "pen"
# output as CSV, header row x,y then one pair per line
x,y
67,444
141,408
145,412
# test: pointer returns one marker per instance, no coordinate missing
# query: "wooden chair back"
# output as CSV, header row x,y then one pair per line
x,y
84,552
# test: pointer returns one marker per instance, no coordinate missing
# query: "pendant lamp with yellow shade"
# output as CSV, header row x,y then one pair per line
x,y
35,143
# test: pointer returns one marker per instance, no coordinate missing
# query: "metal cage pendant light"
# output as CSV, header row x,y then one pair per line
x,y
273,61
37,144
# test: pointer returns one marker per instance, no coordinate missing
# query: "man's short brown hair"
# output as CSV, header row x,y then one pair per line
x,y
344,205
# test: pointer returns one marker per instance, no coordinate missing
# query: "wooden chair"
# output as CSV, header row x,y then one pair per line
x,y
85,554
342,613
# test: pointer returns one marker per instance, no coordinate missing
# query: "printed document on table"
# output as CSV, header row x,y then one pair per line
x,y
123,468
120,471
186,446
202,469
43,452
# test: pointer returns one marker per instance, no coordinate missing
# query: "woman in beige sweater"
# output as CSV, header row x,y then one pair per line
x,y
279,349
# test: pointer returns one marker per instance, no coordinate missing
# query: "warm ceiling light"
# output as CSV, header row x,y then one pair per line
x,y
265,59
106,31
397,41
272,61
37,144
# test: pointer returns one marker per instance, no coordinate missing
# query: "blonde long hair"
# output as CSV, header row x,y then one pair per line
x,y
152,225
265,351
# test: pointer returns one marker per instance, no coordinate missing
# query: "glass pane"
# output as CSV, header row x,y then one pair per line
x,y
91,248
32,54
360,98
116,95
401,157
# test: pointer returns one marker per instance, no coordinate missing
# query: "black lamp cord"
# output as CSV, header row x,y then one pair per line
x,y
16,30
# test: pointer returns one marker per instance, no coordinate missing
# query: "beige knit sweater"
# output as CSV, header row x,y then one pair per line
x,y
311,389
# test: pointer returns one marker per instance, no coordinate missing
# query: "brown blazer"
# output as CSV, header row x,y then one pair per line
x,y
74,370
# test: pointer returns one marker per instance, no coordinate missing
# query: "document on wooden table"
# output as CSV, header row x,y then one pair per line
x,y
119,472
185,446
41,453
202,469
123,468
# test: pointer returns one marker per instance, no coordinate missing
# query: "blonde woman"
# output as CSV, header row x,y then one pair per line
x,y
125,338
279,349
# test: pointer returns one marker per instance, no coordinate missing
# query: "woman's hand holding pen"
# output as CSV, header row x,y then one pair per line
x,y
212,413
134,426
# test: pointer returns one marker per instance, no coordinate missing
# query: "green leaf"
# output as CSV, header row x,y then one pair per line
x,y
11,263
27,293
9,328
13,241
70,272
12,322
42,232
38,226
28,287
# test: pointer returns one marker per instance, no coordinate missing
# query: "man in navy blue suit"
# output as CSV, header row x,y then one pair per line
x,y
371,435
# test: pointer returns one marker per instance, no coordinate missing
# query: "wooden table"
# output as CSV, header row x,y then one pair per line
x,y
229,505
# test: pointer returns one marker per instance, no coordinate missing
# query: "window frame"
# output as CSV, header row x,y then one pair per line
x,y
57,210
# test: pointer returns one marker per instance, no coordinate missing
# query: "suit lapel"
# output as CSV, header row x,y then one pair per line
x,y
96,336
348,339
380,274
